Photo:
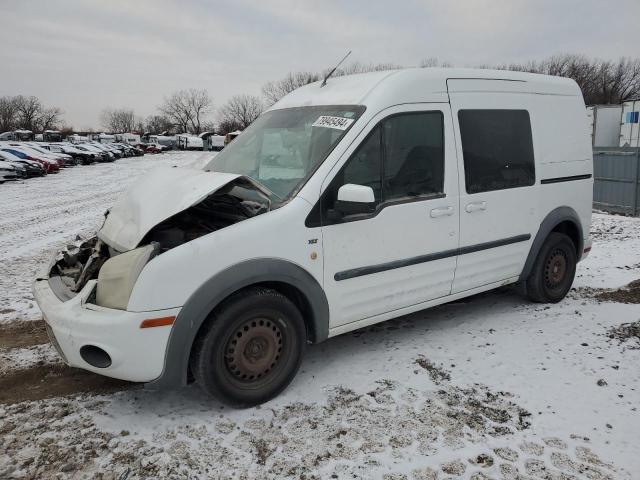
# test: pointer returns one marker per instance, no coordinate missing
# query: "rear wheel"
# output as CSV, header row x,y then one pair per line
x,y
250,348
553,271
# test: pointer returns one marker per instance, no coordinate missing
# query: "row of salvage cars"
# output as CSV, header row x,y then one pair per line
x,y
21,160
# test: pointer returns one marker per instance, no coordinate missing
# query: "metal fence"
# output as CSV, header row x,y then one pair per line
x,y
616,172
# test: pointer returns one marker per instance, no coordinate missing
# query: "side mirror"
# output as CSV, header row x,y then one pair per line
x,y
353,199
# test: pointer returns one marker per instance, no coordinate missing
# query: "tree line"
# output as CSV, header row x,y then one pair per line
x,y
601,81
27,113
192,110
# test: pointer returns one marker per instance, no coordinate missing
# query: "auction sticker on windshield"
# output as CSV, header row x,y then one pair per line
x,y
339,123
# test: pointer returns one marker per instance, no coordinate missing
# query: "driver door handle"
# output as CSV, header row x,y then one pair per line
x,y
441,212
474,207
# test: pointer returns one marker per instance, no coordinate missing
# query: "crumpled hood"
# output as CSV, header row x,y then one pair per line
x,y
161,194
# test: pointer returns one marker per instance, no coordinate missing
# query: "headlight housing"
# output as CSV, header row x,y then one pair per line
x,y
118,275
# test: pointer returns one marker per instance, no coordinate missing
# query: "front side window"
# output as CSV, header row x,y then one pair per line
x,y
282,148
497,148
401,159
364,166
414,155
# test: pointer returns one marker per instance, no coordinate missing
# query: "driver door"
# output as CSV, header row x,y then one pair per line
x,y
403,252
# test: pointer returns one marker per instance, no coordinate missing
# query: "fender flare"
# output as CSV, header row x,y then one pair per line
x,y
551,221
217,288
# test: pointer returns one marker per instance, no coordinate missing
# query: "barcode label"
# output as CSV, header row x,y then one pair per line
x,y
339,123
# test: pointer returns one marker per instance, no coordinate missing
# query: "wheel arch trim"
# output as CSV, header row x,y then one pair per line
x,y
220,286
550,222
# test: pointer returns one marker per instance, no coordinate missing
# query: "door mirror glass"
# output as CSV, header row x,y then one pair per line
x,y
354,199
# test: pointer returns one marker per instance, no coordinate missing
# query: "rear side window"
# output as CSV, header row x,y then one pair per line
x,y
497,148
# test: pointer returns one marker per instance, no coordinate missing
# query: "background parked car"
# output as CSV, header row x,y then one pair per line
x,y
152,148
7,172
32,168
100,155
51,166
38,153
27,158
67,160
83,158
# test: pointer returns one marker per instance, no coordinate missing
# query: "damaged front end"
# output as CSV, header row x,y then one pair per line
x,y
76,265
231,204
115,256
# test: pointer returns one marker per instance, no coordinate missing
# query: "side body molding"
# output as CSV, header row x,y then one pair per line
x,y
552,220
220,286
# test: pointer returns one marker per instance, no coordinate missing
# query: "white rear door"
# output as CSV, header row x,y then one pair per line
x,y
498,205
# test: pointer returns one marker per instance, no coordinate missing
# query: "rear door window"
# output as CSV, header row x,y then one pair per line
x,y
497,148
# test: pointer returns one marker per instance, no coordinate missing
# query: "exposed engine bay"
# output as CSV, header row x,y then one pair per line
x,y
233,203
227,206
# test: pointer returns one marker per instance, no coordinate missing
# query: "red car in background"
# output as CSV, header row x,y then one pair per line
x,y
152,149
50,166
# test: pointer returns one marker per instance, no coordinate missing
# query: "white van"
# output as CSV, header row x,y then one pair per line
x,y
186,141
343,205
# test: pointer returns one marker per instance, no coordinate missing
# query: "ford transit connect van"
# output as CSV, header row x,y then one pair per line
x,y
343,205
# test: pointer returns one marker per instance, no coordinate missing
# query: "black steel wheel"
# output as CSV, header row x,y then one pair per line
x,y
553,271
250,348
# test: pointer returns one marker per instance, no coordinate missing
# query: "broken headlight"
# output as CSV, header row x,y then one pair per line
x,y
118,275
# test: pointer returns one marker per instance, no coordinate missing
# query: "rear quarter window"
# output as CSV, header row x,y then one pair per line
x,y
497,148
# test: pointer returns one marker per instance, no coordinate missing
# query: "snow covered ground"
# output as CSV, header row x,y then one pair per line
x,y
488,387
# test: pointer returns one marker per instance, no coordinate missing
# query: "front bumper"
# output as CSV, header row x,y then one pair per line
x,y
136,354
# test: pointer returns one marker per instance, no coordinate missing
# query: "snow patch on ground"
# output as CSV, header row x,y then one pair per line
x,y
388,432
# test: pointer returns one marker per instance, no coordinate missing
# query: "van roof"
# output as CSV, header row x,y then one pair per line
x,y
415,85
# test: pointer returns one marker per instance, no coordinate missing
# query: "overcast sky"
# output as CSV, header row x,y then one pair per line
x,y
84,56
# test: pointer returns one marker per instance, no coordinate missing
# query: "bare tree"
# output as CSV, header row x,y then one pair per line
x,y
358,67
8,114
157,124
188,109
241,109
433,62
118,120
200,104
27,112
275,90
29,109
49,119
601,81
227,125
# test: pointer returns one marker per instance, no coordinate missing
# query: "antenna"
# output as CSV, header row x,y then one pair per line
x,y
324,82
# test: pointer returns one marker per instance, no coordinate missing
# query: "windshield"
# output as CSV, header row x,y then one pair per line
x,y
282,148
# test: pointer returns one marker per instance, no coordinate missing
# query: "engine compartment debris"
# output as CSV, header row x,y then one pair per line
x,y
81,261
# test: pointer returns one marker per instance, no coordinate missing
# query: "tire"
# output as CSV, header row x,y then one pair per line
x,y
250,348
553,271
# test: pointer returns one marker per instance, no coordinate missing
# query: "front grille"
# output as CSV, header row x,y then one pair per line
x,y
54,342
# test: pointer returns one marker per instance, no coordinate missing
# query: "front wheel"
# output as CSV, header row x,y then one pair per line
x,y
553,271
250,348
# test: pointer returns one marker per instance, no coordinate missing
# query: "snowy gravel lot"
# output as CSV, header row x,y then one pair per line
x,y
488,387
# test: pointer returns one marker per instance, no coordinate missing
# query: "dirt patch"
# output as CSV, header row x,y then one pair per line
x,y
627,332
22,334
346,434
48,381
437,374
627,294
